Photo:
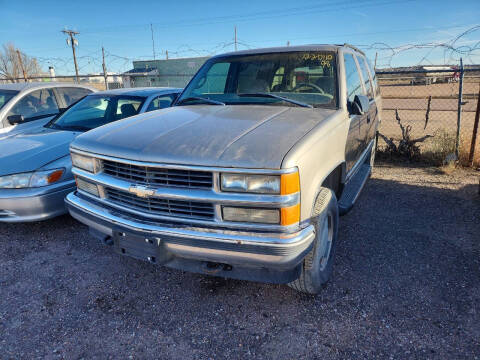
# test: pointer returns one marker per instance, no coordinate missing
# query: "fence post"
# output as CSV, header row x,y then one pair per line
x,y
459,114
474,133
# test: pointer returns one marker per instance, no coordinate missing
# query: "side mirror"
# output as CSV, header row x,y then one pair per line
x,y
360,105
15,119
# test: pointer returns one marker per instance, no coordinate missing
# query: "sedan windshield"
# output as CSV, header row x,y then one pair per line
x,y
97,110
5,96
307,79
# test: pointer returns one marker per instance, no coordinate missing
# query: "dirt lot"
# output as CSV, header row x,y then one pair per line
x,y
406,285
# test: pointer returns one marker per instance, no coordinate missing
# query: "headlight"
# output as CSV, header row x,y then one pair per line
x,y
31,179
87,163
263,184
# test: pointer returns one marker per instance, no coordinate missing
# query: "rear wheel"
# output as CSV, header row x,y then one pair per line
x,y
318,264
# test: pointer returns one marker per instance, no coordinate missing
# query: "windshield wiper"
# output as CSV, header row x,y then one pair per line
x,y
269,95
198,98
76,128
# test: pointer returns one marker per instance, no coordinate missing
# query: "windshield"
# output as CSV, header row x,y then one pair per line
x,y
308,78
97,110
5,96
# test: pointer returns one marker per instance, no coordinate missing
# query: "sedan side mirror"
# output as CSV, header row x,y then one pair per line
x,y
360,105
15,119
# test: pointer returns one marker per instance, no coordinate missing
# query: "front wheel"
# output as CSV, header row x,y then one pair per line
x,y
317,266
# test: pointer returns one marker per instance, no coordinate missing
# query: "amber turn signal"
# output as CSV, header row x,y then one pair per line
x,y
290,215
289,183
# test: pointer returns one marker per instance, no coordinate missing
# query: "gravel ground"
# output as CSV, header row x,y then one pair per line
x,y
406,284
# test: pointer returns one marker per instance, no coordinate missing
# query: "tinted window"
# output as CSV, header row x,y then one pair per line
x,y
306,77
73,94
97,110
161,102
366,77
354,82
36,104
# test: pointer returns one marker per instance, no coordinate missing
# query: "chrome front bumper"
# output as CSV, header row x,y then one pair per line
x,y
277,251
34,204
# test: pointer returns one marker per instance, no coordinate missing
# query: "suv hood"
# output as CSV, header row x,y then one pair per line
x,y
33,149
251,136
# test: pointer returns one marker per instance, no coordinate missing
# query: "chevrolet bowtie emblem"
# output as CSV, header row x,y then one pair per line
x,y
141,191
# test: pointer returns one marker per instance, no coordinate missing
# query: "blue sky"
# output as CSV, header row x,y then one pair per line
x,y
191,28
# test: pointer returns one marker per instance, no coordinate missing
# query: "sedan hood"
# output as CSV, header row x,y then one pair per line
x,y
251,136
33,149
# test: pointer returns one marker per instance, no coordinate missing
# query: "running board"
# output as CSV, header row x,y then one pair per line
x,y
352,189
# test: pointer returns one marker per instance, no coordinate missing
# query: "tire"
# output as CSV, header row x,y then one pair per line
x,y
317,266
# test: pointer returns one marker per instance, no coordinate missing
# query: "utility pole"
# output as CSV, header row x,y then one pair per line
x,y
21,65
166,53
74,43
288,43
375,66
235,37
153,42
104,69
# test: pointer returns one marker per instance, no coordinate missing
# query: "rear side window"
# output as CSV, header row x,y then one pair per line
x,y
374,77
37,104
354,82
73,94
161,102
366,77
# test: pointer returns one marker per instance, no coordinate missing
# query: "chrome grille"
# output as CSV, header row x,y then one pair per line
x,y
165,207
147,175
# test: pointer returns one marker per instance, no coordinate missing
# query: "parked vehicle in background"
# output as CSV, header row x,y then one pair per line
x,y
35,165
25,105
246,175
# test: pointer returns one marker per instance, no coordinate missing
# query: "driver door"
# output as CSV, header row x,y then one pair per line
x,y
355,140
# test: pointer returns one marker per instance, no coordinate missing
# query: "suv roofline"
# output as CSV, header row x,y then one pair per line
x,y
283,49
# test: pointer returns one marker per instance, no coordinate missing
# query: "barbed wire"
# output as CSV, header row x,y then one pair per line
x,y
452,50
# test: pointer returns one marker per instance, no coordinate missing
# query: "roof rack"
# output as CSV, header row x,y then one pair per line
x,y
354,48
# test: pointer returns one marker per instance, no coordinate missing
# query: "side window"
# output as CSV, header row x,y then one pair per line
x,y
127,107
215,80
39,103
374,77
72,94
161,102
354,83
366,76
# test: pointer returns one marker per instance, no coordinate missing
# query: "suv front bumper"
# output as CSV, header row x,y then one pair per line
x,y
275,256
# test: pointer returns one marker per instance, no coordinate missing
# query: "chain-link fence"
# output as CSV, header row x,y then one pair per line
x,y
425,103
428,107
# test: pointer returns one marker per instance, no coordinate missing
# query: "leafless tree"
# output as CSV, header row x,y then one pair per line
x,y
10,65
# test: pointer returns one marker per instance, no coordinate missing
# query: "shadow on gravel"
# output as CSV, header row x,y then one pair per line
x,y
406,284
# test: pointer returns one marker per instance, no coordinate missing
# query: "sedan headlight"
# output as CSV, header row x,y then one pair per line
x,y
31,179
86,163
